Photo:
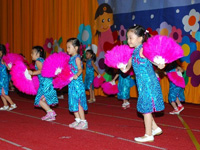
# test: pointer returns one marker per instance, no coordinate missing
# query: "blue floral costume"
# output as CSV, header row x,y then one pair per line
x,y
45,89
175,91
89,76
76,88
150,97
124,85
4,80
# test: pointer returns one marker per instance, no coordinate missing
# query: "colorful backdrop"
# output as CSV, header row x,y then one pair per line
x,y
50,22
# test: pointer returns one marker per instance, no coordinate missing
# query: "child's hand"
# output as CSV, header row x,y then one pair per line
x,y
161,66
30,72
75,77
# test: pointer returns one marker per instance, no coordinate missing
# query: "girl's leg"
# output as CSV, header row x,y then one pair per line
x,y
50,116
4,101
155,129
93,96
148,123
180,106
81,112
7,97
174,105
83,123
148,137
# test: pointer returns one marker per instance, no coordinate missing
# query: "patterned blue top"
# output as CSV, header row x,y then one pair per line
x,y
89,76
175,91
150,97
45,89
124,85
76,88
4,80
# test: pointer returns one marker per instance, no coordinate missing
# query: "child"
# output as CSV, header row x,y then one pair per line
x,y
76,90
124,88
176,94
150,97
89,77
4,82
46,94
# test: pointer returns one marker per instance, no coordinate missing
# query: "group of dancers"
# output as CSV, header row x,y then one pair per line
x,y
150,98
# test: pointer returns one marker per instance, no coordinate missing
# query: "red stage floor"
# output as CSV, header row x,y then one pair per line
x,y
110,127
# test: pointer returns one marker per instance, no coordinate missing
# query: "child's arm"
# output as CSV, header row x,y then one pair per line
x,y
80,70
36,72
128,66
116,76
95,68
160,66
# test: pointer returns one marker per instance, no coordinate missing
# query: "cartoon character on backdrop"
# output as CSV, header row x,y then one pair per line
x,y
103,21
106,38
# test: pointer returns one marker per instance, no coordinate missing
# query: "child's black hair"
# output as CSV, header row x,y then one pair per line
x,y
75,42
3,49
100,10
140,32
39,50
171,66
92,53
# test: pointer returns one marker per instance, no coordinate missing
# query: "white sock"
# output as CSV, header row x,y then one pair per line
x,y
78,120
50,110
84,121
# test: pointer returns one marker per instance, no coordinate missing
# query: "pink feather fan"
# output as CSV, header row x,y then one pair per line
x,y
98,81
110,88
162,49
22,80
119,56
64,78
54,64
176,78
10,59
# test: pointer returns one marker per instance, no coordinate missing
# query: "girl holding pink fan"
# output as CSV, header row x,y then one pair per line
x,y
4,82
176,93
46,94
150,97
89,76
76,89
124,88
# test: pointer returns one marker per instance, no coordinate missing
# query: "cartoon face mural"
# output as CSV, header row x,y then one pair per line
x,y
103,18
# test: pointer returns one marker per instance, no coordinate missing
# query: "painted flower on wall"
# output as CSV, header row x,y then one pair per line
x,y
48,45
188,48
193,69
176,34
190,21
100,62
122,33
85,34
56,47
151,32
165,29
197,36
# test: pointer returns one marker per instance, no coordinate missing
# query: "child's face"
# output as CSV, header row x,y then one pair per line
x,y
1,54
34,54
88,55
71,50
104,22
133,39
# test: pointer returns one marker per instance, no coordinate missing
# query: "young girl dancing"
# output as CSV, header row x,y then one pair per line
x,y
46,94
150,97
124,88
4,82
89,77
76,90
176,93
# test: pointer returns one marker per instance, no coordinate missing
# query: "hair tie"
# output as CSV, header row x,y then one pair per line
x,y
146,31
